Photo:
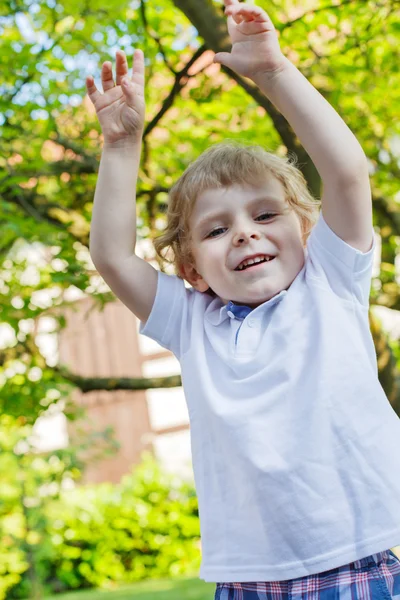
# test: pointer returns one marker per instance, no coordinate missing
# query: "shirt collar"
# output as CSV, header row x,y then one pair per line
x,y
237,311
217,312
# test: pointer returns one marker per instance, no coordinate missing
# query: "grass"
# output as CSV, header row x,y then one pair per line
x,y
159,589
183,588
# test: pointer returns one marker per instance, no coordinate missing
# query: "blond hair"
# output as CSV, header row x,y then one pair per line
x,y
222,165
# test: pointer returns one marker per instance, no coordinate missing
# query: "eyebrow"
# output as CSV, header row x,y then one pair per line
x,y
274,202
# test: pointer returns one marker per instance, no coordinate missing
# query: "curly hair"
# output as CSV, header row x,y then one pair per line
x,y
222,165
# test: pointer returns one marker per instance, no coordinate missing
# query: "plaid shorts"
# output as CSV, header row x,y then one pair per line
x,y
376,577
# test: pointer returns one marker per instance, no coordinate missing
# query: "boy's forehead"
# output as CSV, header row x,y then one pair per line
x,y
211,198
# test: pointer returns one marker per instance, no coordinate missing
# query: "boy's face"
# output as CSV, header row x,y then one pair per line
x,y
230,224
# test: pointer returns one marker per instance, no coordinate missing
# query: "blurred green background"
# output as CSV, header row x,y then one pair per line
x,y
58,534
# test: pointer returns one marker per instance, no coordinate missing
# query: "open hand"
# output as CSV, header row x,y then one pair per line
x,y
255,45
121,108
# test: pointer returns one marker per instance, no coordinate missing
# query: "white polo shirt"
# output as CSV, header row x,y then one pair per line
x,y
295,446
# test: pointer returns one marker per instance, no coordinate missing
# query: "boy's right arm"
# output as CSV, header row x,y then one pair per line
x,y
121,113
113,229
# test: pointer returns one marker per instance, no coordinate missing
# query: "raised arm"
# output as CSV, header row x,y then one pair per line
x,y
121,110
335,151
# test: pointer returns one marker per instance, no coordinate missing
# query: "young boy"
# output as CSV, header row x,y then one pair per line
x,y
296,449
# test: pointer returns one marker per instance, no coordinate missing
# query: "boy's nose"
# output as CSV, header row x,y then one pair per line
x,y
244,235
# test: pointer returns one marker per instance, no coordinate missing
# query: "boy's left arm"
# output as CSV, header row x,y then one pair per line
x,y
334,150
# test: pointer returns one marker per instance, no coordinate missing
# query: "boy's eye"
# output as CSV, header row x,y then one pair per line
x,y
265,216
215,232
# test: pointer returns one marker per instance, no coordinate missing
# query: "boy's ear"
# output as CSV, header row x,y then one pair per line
x,y
189,273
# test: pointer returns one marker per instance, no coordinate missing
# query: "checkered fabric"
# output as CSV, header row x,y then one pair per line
x,y
376,577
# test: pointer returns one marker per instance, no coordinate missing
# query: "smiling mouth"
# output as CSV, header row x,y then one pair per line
x,y
255,265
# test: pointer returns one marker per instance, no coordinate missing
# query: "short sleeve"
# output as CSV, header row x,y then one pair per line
x,y
332,262
168,321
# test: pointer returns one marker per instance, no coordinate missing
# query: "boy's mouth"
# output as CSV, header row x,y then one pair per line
x,y
254,263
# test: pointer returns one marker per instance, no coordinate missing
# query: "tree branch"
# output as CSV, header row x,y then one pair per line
x,y
314,11
212,28
110,384
151,33
181,80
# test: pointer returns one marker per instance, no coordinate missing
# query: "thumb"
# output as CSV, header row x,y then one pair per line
x,y
223,58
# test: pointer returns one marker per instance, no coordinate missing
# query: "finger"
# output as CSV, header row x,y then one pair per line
x,y
92,90
107,76
254,28
138,72
223,58
129,89
244,9
234,15
247,12
121,66
134,85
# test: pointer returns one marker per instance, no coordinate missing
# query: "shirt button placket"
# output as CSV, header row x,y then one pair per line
x,y
248,338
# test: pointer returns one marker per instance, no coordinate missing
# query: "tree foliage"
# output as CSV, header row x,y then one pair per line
x,y
51,144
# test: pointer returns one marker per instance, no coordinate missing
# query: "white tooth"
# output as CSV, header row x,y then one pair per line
x,y
252,261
